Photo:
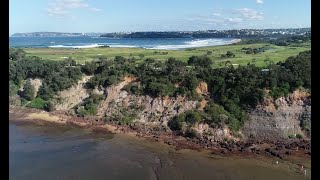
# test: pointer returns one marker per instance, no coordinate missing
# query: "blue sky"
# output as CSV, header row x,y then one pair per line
x,y
155,15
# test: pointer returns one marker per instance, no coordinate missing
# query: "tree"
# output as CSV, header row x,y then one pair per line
x,y
141,56
119,59
28,92
201,61
13,89
193,117
230,54
16,54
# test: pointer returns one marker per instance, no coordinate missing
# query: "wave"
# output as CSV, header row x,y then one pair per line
x,y
92,45
196,43
82,46
129,46
186,44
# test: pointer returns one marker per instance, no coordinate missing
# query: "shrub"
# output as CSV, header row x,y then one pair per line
x,y
127,120
176,123
234,125
191,133
28,91
141,56
291,136
110,80
24,102
38,103
49,106
305,122
201,61
192,117
126,117
13,89
299,136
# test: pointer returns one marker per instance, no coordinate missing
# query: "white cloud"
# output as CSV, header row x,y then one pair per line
x,y
234,20
63,8
259,1
216,14
227,18
95,9
249,14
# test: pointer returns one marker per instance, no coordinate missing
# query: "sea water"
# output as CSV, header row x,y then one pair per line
x,y
90,42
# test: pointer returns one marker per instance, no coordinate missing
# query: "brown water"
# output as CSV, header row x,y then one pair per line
x,y
65,153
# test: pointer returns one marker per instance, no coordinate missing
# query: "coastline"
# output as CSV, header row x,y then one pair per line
x,y
289,150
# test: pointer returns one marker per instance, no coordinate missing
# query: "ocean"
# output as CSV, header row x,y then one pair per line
x,y
91,42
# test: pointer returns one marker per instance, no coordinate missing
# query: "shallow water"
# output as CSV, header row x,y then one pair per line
x,y
50,152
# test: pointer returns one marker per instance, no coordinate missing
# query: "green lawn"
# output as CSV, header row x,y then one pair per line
x,y
274,53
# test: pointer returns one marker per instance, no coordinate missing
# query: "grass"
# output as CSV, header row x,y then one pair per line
x,y
274,53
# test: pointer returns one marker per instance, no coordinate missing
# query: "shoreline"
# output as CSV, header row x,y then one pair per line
x,y
287,151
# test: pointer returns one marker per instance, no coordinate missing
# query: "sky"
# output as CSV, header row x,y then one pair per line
x,y
155,15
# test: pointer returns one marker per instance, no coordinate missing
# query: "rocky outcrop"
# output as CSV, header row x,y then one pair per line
x,y
112,94
36,83
277,119
69,98
213,134
202,88
147,110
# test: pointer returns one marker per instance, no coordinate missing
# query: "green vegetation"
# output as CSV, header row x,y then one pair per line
x,y
16,54
229,54
38,103
305,123
56,75
274,52
28,91
89,105
282,41
189,118
299,136
203,61
13,89
291,136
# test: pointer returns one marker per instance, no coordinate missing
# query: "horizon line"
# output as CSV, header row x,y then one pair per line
x,y
160,31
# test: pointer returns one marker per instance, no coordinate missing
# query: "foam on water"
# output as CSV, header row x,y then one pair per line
x,y
82,46
129,46
196,43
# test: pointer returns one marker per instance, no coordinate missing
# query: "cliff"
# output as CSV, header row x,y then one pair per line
x,y
280,118
272,119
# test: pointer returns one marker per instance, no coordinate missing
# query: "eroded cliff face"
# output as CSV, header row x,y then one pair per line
x,y
154,113
276,119
69,98
36,83
145,109
273,119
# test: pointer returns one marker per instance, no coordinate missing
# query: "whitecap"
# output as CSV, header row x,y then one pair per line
x,y
196,43
129,46
83,46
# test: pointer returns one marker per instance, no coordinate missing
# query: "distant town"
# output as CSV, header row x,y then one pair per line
x,y
241,33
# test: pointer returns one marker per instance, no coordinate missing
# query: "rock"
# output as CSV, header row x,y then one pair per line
x,y
266,121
